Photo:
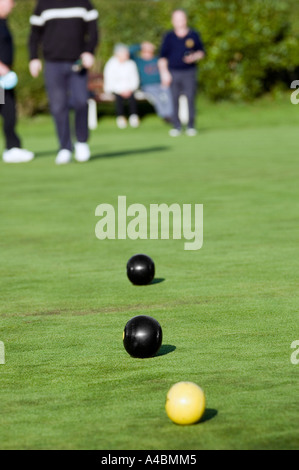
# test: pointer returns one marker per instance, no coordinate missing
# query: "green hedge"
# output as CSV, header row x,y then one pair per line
x,y
251,46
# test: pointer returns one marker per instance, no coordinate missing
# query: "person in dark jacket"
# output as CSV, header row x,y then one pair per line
x,y
181,50
67,31
13,152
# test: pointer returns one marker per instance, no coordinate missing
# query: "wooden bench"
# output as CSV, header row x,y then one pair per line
x,y
98,95
96,88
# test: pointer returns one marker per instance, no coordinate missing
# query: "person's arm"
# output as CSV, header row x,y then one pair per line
x,y
4,69
134,77
134,51
199,52
37,28
194,57
6,52
109,77
165,75
92,36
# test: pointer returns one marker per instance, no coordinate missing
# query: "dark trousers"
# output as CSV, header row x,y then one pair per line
x,y
67,89
120,105
8,112
184,82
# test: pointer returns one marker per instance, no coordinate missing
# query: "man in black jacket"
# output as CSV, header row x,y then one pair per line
x,y
13,152
67,31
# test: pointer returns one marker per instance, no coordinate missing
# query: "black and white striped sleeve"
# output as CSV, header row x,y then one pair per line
x,y
92,32
50,25
36,33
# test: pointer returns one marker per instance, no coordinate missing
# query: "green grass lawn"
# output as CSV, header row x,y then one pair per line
x,y
229,311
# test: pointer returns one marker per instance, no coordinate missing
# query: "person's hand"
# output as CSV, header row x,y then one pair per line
x,y
87,60
193,57
3,69
35,67
126,94
166,78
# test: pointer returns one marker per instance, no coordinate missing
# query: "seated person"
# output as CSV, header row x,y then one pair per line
x,y
150,83
122,79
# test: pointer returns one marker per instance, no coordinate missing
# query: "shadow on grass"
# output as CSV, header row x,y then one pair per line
x,y
166,349
158,280
125,153
46,153
120,153
209,414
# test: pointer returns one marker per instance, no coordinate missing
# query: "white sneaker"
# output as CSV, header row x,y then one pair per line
x,y
64,157
175,132
134,120
82,152
191,132
17,155
121,122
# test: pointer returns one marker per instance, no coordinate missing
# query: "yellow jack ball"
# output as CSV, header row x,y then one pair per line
x,y
185,403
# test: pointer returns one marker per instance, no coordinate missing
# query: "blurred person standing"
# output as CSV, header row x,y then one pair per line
x,y
181,50
13,152
68,33
122,79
